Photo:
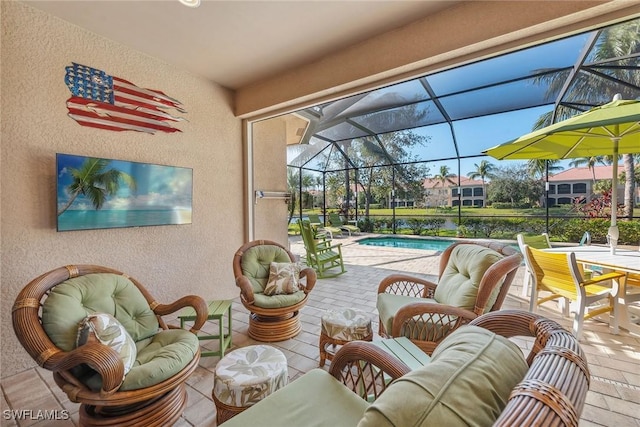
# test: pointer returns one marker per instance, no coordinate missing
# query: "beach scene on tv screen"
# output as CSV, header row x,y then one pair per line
x,y
107,193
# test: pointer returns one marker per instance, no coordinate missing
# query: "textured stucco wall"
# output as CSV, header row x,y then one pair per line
x,y
170,260
270,174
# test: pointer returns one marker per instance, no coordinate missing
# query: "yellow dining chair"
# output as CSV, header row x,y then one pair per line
x,y
561,276
540,241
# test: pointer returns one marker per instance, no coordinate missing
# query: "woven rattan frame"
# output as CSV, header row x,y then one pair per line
x,y
157,405
554,390
271,324
407,319
224,411
326,340
552,393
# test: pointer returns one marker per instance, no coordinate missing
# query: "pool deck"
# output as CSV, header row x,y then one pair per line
x,y
614,360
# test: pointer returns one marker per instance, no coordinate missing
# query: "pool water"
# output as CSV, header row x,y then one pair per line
x,y
408,243
412,243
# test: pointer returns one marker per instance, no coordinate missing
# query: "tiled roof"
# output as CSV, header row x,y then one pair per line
x,y
464,182
585,174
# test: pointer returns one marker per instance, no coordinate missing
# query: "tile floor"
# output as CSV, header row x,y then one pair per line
x,y
614,360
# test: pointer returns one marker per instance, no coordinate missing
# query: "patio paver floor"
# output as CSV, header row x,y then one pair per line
x,y
614,360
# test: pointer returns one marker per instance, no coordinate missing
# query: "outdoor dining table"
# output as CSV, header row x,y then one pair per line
x,y
624,260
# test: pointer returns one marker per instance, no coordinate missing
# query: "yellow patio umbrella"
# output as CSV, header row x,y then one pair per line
x,y
610,129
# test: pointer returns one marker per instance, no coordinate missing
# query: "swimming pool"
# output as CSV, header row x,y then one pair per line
x,y
427,243
408,242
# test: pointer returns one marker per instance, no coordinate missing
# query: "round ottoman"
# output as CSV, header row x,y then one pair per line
x,y
341,326
245,376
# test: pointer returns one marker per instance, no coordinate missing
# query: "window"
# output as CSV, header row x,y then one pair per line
x,y
552,189
466,192
564,200
466,202
454,192
564,189
478,191
580,188
478,203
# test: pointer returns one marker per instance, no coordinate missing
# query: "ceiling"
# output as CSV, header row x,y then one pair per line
x,y
236,43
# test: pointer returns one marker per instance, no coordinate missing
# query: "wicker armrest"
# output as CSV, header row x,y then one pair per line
x,y
365,368
194,301
101,358
311,277
402,284
246,290
426,324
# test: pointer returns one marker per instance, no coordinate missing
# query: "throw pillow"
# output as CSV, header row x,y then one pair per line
x,y
107,330
284,278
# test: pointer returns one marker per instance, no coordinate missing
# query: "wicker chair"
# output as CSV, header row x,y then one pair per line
x,y
552,392
411,306
275,317
59,300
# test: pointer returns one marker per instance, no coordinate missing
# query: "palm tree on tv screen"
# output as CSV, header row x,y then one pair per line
x,y
93,180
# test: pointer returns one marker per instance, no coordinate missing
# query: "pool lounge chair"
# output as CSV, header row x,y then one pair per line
x,y
336,221
320,227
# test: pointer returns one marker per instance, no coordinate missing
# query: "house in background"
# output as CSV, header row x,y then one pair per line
x,y
577,183
470,192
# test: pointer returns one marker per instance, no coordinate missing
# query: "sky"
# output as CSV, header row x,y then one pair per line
x,y
157,186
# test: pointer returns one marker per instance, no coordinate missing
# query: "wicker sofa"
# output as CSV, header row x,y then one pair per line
x,y
475,377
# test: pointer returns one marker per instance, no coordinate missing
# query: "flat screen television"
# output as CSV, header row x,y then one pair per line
x,y
95,193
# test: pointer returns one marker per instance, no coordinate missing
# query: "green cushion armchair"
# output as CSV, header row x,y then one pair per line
x,y
474,279
132,372
273,317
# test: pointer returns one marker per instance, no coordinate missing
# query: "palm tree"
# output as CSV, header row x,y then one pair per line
x,y
537,168
95,182
444,176
590,162
483,171
620,41
630,176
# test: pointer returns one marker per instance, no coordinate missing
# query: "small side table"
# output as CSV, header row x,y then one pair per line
x,y
246,376
340,326
217,311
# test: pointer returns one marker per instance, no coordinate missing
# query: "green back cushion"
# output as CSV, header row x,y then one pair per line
x,y
256,262
71,301
459,283
467,383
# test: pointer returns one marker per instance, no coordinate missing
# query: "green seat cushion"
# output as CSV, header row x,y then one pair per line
x,y
316,399
460,280
159,357
467,383
72,300
277,301
256,262
389,304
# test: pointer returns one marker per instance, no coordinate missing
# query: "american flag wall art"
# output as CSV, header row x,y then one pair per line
x,y
108,102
